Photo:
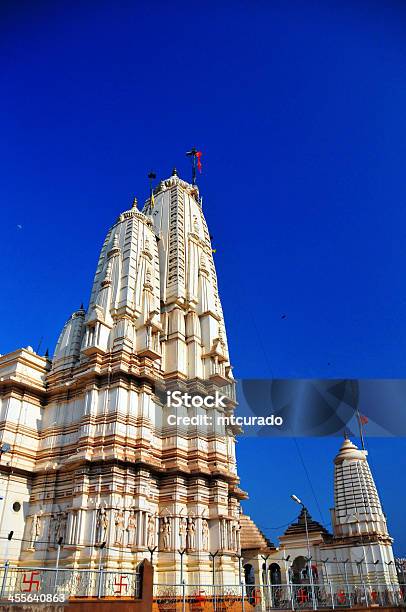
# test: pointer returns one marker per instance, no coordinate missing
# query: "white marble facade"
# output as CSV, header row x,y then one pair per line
x,y
93,458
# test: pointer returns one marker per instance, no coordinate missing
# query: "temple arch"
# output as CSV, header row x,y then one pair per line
x,y
275,574
299,570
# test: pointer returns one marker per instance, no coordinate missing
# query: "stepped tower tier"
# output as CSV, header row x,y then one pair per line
x,y
124,307
155,293
357,511
195,338
98,459
359,523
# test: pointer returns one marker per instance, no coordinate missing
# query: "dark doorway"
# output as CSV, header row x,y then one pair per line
x,y
299,570
275,573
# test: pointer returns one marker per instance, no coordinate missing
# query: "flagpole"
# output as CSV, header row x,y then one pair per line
x,y
357,412
151,177
192,154
361,430
194,170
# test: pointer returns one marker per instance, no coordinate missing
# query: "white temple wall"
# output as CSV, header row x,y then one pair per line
x,y
374,568
210,329
20,415
15,490
18,410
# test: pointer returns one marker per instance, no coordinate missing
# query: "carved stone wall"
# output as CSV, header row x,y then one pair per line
x,y
96,458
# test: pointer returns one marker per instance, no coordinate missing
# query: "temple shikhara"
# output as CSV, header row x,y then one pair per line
x,y
93,459
97,473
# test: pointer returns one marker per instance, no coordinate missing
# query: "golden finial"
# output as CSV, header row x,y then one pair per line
x,y
135,202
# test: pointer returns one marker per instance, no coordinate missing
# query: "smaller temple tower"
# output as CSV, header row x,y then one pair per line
x,y
295,541
357,511
359,523
357,554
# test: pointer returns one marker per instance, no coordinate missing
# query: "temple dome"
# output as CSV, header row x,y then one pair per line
x,y
349,451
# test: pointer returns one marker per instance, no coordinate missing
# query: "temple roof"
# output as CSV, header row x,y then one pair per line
x,y
299,526
252,537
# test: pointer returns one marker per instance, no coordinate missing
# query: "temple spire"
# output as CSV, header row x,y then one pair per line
x,y
357,508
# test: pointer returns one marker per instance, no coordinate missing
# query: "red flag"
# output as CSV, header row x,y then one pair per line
x,y
199,161
363,419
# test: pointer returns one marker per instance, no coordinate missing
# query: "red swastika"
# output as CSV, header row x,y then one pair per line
x,y
341,597
302,596
31,582
121,584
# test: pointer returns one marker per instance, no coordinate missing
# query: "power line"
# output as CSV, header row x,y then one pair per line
x,y
299,452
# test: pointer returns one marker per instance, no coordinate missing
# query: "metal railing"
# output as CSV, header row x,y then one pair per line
x,y
187,597
59,584
38,581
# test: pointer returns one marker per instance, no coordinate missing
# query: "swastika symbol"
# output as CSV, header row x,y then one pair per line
x,y
121,584
31,582
302,596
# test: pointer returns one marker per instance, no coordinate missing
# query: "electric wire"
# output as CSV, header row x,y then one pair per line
x,y
295,441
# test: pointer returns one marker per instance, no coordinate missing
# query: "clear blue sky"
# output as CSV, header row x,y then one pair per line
x,y
299,108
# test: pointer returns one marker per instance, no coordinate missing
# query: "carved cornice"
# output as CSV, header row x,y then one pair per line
x,y
175,181
135,214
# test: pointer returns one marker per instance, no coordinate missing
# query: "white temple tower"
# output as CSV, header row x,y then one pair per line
x,y
359,524
357,510
358,554
93,457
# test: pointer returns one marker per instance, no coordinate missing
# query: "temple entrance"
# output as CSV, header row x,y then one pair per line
x,y
275,579
275,574
249,574
299,573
